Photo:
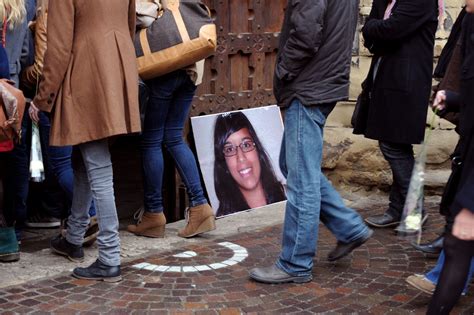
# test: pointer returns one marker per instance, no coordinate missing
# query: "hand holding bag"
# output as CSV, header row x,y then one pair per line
x,y
182,35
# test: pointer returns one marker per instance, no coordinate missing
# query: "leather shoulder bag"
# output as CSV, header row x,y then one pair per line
x,y
182,34
12,107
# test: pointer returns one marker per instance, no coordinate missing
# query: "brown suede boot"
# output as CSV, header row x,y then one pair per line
x,y
149,224
200,220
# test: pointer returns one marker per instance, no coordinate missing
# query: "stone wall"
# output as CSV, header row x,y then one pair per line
x,y
353,162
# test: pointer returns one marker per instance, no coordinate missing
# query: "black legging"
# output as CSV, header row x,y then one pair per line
x,y
453,276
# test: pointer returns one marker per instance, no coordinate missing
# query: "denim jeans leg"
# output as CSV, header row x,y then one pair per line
x,y
345,223
303,147
53,201
78,218
469,277
60,159
174,142
61,166
98,183
282,158
433,274
309,193
151,147
401,160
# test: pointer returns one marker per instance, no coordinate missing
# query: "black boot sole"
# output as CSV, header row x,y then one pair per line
x,y
105,279
64,254
12,257
391,224
281,281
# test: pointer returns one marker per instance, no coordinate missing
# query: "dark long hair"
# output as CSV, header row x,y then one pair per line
x,y
230,197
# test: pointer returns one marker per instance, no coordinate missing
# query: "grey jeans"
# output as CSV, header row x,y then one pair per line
x,y
93,179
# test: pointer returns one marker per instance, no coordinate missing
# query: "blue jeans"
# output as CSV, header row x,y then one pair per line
x,y
311,196
167,111
401,159
59,161
434,274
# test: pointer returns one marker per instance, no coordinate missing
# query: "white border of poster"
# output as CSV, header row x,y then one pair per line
x,y
268,126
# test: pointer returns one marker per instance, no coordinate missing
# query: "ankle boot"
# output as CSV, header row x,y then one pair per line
x,y
200,220
149,224
9,250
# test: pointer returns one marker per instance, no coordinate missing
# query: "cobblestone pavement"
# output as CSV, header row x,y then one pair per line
x,y
369,281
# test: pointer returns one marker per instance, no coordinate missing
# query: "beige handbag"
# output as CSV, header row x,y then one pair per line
x,y
147,12
181,35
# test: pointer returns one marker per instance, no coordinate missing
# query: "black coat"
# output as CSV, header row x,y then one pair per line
x,y
398,98
463,194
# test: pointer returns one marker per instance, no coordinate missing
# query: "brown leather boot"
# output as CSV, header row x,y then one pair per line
x,y
200,220
148,224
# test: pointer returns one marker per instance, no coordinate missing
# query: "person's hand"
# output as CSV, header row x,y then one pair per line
x,y
34,112
463,227
439,102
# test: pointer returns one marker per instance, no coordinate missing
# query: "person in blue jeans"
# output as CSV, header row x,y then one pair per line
x,y
311,75
166,113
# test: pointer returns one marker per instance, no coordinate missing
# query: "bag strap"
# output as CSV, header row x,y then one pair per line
x,y
173,6
170,4
144,42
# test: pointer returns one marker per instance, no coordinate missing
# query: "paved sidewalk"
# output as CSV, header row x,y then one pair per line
x,y
210,276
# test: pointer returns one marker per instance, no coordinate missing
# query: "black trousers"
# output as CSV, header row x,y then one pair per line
x,y
453,276
401,159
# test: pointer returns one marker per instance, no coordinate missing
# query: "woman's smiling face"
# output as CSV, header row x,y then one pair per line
x,y
243,167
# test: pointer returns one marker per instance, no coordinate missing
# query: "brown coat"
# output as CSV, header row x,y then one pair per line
x,y
90,79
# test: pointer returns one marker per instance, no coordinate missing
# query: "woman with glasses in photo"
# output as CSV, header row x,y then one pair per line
x,y
243,174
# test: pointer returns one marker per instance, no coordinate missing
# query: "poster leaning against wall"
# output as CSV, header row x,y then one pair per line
x,y
238,154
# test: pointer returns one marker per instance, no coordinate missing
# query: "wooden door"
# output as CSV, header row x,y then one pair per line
x,y
240,74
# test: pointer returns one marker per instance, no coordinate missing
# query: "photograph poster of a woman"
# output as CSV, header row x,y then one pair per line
x,y
238,154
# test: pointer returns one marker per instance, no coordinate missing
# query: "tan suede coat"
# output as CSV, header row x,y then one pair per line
x,y
90,79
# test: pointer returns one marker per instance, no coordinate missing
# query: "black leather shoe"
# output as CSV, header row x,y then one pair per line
x,y
98,271
344,249
61,246
434,247
382,221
